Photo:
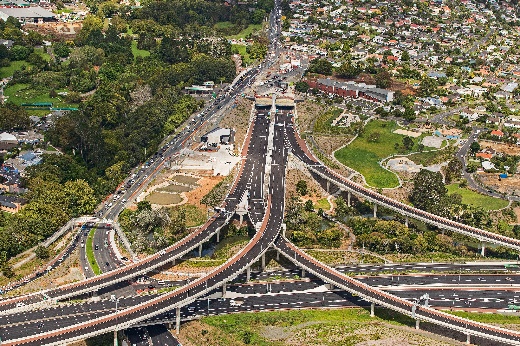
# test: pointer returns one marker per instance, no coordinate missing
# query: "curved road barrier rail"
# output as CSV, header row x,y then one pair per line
x,y
392,302
302,152
157,260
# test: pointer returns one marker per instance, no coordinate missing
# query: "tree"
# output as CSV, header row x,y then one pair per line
x,y
301,187
347,70
428,190
61,49
474,148
13,117
301,87
309,206
383,79
453,170
408,143
321,66
20,52
405,56
42,252
428,87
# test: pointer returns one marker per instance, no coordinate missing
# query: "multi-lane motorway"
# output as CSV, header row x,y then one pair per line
x,y
267,148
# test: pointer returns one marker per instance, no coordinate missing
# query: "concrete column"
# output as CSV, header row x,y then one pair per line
x,y
375,210
241,218
173,261
417,324
218,236
115,338
468,339
248,274
178,321
406,221
263,261
328,186
224,286
284,228
277,255
483,250
200,250
348,198
303,273
372,308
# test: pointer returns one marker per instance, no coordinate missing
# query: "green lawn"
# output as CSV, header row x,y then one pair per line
x,y
89,249
43,54
242,50
9,70
23,93
139,52
322,204
252,28
364,154
476,199
316,327
223,25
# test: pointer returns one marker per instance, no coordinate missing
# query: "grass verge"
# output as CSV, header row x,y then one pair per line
x,y
8,71
90,252
476,199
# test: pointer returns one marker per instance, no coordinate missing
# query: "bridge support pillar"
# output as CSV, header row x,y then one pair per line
x,y
417,324
468,339
348,198
200,250
303,273
173,261
375,210
248,274
241,218
263,261
115,338
224,287
372,308
284,228
328,186
218,236
483,250
406,221
178,321
277,255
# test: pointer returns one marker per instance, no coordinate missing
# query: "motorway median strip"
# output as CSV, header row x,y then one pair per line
x,y
90,252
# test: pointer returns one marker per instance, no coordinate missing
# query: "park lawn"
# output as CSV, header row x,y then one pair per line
x,y
23,93
41,51
322,204
242,50
89,249
364,156
487,318
252,28
8,71
139,52
223,25
476,199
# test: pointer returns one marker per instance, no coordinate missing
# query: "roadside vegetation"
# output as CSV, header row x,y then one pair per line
x,y
89,249
476,199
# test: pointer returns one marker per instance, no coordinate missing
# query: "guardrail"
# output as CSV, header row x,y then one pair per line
x,y
390,301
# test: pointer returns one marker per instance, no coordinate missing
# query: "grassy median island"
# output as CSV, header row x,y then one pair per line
x,y
347,326
476,199
376,142
90,252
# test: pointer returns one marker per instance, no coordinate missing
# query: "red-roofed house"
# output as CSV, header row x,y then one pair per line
x,y
497,133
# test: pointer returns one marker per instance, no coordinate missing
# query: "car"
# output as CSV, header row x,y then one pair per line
x,y
107,264
19,305
151,287
96,247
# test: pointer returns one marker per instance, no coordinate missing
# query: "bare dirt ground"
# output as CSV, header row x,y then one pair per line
x,y
205,186
509,185
517,212
401,194
238,119
328,144
195,333
509,149
315,191
307,112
